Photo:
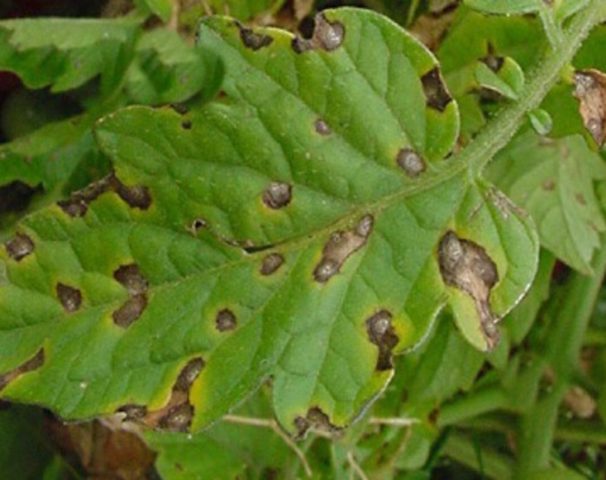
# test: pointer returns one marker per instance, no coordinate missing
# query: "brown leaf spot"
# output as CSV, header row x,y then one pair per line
x,y
177,415
382,334
580,199
178,418
226,320
271,263
315,419
590,89
548,185
492,61
77,204
322,127
188,374
133,412
70,297
32,364
180,108
252,39
326,35
130,311
435,90
466,265
131,278
277,195
19,247
136,196
411,162
340,246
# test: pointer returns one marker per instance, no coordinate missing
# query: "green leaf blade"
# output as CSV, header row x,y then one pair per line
x,y
202,201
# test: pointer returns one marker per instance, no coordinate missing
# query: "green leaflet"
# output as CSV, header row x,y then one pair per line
x,y
562,8
165,69
293,228
507,78
552,14
161,8
553,180
245,9
65,54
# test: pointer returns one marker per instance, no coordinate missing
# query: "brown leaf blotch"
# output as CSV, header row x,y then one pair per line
x,y
19,247
322,127
590,89
253,40
178,418
133,412
131,278
136,196
340,246
70,297
226,320
466,265
271,263
382,334
30,365
188,374
315,419
411,162
277,195
77,204
130,311
326,35
180,108
435,90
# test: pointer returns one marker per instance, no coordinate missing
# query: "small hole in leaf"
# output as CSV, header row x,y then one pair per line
x,y
197,225
70,297
271,263
277,195
19,247
326,36
186,124
226,320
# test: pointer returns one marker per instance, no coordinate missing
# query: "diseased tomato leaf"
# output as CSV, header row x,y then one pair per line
x,y
304,226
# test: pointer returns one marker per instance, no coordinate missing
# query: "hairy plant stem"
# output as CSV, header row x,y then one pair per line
x,y
571,312
498,132
491,464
